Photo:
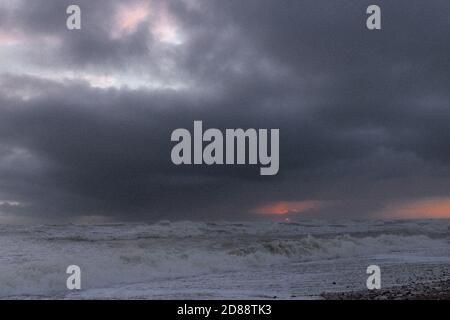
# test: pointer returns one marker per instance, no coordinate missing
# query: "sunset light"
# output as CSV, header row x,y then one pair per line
x,y
285,207
427,208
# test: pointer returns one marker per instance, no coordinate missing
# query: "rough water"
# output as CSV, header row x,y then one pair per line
x,y
177,260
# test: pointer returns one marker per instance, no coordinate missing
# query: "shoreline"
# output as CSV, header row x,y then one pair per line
x,y
434,290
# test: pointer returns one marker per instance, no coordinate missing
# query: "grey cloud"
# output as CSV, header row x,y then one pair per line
x,y
363,116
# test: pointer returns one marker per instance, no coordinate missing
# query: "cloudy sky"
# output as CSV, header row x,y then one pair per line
x,y
86,115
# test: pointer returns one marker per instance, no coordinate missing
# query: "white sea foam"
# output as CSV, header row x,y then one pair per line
x,y
168,259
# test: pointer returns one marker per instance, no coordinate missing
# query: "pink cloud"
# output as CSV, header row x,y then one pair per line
x,y
129,17
9,38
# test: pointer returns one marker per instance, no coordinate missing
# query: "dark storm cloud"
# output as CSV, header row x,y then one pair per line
x,y
363,115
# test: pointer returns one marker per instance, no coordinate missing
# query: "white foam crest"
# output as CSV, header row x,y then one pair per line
x,y
33,259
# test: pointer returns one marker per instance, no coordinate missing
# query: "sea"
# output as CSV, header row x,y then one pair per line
x,y
219,260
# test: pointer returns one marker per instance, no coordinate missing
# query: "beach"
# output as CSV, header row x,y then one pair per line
x,y
434,290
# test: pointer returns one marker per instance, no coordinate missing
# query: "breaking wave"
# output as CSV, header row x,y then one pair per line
x,y
33,260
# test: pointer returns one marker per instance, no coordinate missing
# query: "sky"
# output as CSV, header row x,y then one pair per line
x,y
86,115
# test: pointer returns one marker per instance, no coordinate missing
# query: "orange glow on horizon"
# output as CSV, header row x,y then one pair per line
x,y
285,207
428,208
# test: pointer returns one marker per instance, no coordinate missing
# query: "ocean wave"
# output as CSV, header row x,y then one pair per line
x,y
34,259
